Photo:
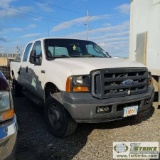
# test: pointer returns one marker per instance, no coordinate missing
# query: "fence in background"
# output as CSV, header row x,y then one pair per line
x,y
6,71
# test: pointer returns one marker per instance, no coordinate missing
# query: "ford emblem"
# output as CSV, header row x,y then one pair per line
x,y
128,82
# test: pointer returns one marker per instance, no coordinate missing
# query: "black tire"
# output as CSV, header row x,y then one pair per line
x,y
17,89
59,121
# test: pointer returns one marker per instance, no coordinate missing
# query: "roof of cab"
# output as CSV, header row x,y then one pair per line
x,y
41,39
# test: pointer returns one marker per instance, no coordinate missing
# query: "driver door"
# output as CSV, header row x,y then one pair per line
x,y
35,76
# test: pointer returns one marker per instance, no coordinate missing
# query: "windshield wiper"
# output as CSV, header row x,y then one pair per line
x,y
94,56
60,56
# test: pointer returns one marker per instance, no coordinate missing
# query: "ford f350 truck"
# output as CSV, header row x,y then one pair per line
x,y
79,82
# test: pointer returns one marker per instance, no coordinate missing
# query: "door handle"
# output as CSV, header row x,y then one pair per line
x,y
42,71
27,69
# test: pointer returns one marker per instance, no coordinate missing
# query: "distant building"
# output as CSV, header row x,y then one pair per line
x,y
3,61
8,55
6,58
145,33
145,37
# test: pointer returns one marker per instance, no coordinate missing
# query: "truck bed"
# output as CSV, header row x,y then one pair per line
x,y
14,68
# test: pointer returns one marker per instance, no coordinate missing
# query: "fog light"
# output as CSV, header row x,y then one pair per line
x,y
103,109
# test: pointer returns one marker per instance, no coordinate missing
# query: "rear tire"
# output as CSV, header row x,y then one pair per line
x,y
17,89
59,121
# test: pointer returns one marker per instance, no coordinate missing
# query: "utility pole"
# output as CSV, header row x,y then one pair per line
x,y
48,27
87,24
18,50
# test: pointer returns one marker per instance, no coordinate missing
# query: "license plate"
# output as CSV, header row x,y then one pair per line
x,y
130,111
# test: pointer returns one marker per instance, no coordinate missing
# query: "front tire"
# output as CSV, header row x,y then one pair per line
x,y
59,121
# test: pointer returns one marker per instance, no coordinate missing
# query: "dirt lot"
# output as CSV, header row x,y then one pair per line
x,y
91,141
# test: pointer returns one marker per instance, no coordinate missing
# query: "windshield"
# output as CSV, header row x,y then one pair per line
x,y
57,48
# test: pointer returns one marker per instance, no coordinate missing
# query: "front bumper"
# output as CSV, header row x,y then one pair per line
x,y
8,137
83,106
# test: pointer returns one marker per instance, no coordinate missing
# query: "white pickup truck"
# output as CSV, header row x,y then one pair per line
x,y
79,82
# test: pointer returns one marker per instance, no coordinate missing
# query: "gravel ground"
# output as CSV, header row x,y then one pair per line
x,y
90,141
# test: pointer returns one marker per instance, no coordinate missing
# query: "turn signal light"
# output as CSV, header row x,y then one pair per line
x,y
80,89
68,84
7,115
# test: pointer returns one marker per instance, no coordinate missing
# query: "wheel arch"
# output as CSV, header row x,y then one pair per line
x,y
12,74
50,88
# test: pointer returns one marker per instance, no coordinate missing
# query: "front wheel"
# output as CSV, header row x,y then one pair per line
x,y
59,121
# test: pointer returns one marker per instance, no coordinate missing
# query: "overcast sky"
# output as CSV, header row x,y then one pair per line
x,y
24,20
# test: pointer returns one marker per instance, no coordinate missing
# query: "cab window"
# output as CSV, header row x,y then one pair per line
x,y
37,48
27,52
36,53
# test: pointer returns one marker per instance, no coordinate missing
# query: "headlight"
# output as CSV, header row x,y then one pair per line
x,y
6,112
78,83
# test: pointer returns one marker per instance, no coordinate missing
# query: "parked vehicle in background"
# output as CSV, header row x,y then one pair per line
x,y
6,72
8,123
80,83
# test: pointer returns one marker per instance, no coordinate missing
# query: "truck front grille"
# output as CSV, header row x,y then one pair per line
x,y
118,82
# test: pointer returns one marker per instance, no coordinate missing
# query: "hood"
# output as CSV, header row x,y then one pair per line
x,y
86,65
3,83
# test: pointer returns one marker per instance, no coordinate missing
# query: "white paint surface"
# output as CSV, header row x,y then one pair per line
x,y
145,17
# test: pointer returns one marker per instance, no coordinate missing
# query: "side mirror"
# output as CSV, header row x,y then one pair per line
x,y
32,56
35,59
108,55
